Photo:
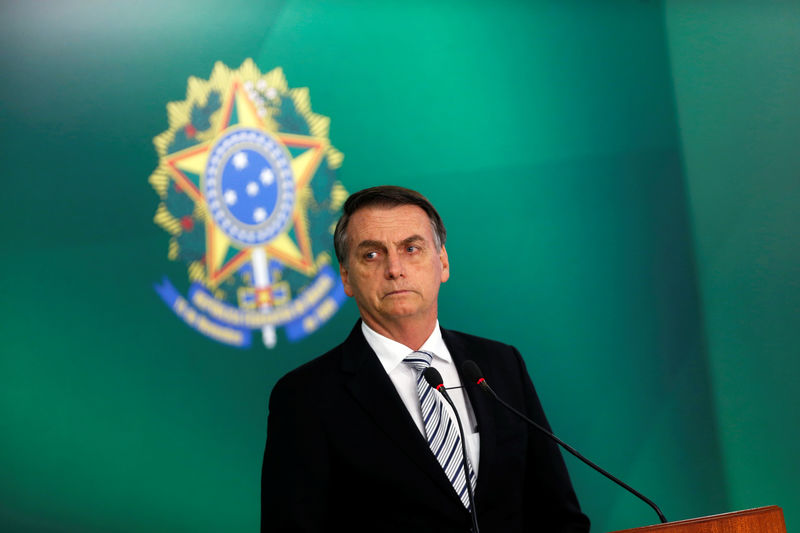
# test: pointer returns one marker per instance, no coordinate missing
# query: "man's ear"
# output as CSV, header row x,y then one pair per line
x,y
445,264
348,290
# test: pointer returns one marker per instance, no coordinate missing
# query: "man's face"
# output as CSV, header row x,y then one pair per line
x,y
393,268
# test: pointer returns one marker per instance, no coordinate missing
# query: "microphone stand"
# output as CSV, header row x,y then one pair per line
x,y
485,386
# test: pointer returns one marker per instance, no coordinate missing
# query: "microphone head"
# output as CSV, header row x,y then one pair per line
x,y
471,371
474,375
433,377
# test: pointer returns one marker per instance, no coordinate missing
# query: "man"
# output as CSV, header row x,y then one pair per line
x,y
354,440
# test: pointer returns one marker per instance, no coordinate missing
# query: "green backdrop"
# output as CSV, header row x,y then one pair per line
x,y
620,184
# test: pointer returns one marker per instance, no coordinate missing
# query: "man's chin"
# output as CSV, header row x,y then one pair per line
x,y
400,312
403,310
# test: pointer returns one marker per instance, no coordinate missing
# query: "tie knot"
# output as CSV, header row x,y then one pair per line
x,y
419,360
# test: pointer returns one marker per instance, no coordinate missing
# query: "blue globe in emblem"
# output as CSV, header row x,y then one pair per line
x,y
249,186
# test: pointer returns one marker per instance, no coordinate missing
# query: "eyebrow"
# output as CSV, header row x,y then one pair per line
x,y
370,244
379,244
413,238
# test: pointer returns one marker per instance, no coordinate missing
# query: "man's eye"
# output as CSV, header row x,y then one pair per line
x,y
370,255
412,249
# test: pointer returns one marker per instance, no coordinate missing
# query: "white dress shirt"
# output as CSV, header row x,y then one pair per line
x,y
391,354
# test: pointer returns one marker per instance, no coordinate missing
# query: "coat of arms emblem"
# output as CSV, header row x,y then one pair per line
x,y
249,196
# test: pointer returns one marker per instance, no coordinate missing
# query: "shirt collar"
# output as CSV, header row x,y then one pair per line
x,y
391,353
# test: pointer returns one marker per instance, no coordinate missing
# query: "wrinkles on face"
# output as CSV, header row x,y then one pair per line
x,y
394,269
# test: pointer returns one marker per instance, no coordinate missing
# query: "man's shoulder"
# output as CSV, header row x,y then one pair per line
x,y
326,367
318,367
309,383
492,357
474,341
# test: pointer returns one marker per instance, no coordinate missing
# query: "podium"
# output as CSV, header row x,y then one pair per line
x,y
759,520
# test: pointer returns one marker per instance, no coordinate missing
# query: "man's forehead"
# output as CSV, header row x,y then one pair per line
x,y
405,215
395,223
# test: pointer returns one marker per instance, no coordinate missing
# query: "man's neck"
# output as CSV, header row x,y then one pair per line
x,y
409,333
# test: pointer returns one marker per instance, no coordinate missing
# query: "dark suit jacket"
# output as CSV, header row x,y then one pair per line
x,y
343,452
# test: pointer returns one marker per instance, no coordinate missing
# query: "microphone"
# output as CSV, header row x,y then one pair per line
x,y
474,375
434,379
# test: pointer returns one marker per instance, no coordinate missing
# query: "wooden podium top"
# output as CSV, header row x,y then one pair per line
x,y
760,520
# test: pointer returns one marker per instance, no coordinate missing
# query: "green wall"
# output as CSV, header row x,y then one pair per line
x,y
549,136
737,78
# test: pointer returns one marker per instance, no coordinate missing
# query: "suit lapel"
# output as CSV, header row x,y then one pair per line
x,y
374,391
482,407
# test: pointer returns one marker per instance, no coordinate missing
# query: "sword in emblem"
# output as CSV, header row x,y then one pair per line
x,y
261,282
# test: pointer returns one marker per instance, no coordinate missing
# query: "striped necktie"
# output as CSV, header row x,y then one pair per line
x,y
440,428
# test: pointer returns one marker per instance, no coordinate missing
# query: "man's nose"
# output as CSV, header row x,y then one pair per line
x,y
394,266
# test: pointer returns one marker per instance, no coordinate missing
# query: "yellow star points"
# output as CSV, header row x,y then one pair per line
x,y
293,248
246,177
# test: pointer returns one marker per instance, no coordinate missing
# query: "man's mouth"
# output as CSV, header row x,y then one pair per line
x,y
398,292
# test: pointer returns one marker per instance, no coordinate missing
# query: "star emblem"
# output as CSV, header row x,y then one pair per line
x,y
247,197
247,186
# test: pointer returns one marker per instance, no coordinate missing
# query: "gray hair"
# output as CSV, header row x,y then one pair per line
x,y
384,196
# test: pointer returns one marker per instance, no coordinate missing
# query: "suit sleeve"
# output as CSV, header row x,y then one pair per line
x,y
295,477
547,480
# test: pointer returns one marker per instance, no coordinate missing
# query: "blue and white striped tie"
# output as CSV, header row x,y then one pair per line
x,y
441,430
